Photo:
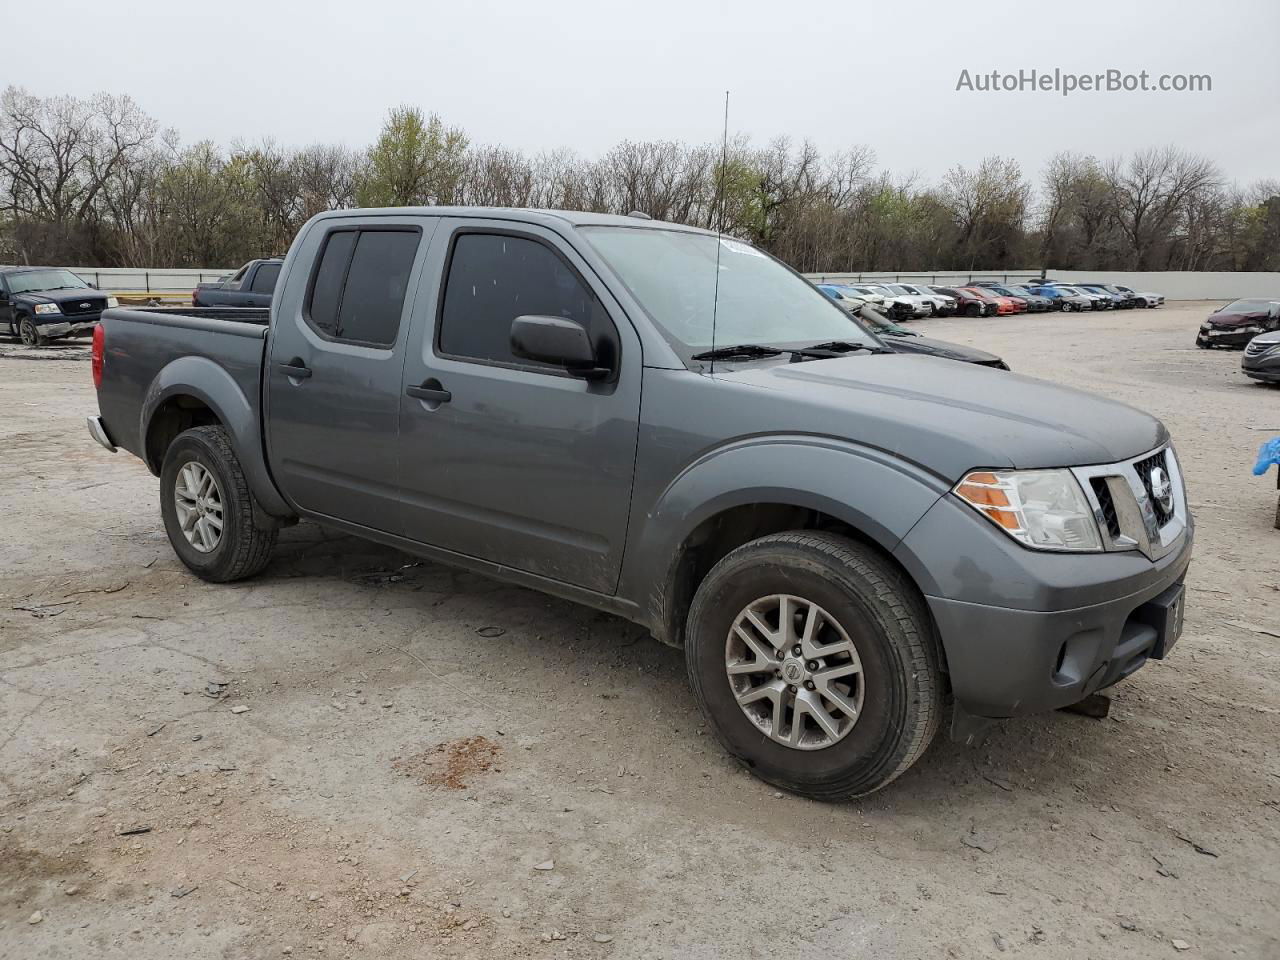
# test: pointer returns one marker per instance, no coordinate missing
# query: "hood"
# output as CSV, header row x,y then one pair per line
x,y
948,417
937,348
83,295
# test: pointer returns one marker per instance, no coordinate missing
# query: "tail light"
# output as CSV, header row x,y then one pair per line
x,y
98,355
195,299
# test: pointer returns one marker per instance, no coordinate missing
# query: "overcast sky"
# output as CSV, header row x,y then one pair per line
x,y
588,73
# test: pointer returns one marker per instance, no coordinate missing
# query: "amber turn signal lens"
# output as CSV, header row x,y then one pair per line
x,y
980,496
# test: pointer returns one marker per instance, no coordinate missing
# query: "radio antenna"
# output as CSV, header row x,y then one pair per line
x,y
724,165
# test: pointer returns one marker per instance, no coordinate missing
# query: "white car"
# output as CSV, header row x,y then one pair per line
x,y
943,306
1152,299
899,304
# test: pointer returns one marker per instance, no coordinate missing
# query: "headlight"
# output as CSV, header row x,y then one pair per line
x,y
1043,509
48,308
113,301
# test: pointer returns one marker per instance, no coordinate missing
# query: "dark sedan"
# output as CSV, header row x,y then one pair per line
x,y
903,340
1237,323
1261,359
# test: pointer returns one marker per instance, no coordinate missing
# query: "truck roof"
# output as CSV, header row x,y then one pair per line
x,y
577,218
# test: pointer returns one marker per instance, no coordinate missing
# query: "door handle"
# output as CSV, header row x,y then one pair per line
x,y
295,368
434,394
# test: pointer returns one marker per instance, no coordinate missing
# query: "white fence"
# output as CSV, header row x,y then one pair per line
x,y
1174,285
161,282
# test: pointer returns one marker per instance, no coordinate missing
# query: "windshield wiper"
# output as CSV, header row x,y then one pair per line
x,y
739,351
833,348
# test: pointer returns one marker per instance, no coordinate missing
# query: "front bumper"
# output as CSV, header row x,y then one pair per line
x,y
66,327
1226,337
1026,631
1264,367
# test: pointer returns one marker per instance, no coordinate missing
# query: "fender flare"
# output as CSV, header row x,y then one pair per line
x,y
880,495
209,383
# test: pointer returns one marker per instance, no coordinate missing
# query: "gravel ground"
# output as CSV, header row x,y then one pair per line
x,y
359,755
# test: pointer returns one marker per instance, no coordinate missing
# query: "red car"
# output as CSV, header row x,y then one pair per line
x,y
1003,305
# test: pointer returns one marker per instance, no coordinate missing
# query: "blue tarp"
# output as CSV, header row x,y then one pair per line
x,y
1267,455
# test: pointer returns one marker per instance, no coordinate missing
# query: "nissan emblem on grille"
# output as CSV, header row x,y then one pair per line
x,y
1162,489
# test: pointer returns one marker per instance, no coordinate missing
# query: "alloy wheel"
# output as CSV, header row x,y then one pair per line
x,y
198,500
794,672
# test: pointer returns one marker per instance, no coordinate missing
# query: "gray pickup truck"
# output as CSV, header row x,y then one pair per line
x,y
250,286
678,429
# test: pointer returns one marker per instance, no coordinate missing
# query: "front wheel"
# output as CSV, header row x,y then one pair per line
x,y
30,334
814,661
973,310
208,509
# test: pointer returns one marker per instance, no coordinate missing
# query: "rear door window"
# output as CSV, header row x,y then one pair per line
x,y
264,281
357,293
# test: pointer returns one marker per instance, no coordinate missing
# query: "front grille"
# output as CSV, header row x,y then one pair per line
x,y
1143,468
78,308
1108,505
1253,349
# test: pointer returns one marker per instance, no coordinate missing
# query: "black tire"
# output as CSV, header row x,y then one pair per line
x,y
1278,514
243,548
974,310
883,614
30,334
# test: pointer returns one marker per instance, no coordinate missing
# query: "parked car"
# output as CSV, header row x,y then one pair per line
x,y
943,306
843,539
1144,298
1003,305
1261,359
968,302
1235,324
38,304
924,305
896,305
1073,298
1031,302
250,286
1114,300
902,340
843,296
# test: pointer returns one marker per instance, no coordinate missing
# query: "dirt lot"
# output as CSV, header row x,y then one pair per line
x,y
433,764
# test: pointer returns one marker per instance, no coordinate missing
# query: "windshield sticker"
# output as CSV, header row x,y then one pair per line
x,y
737,246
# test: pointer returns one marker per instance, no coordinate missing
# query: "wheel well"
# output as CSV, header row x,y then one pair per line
x,y
172,417
716,536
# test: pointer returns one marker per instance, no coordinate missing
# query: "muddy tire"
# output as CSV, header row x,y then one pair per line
x,y
208,510
30,334
816,664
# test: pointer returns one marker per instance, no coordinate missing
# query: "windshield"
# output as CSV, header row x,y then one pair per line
x,y
30,280
1248,306
672,273
901,290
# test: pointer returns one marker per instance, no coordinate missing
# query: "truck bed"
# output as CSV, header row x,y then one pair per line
x,y
149,352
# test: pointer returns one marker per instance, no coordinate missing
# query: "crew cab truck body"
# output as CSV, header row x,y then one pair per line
x,y
250,286
844,541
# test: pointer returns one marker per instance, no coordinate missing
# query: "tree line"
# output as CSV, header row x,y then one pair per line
x,y
97,182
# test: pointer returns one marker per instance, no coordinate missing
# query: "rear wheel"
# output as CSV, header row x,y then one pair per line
x,y
815,663
208,510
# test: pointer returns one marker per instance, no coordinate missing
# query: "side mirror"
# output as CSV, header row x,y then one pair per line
x,y
558,341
